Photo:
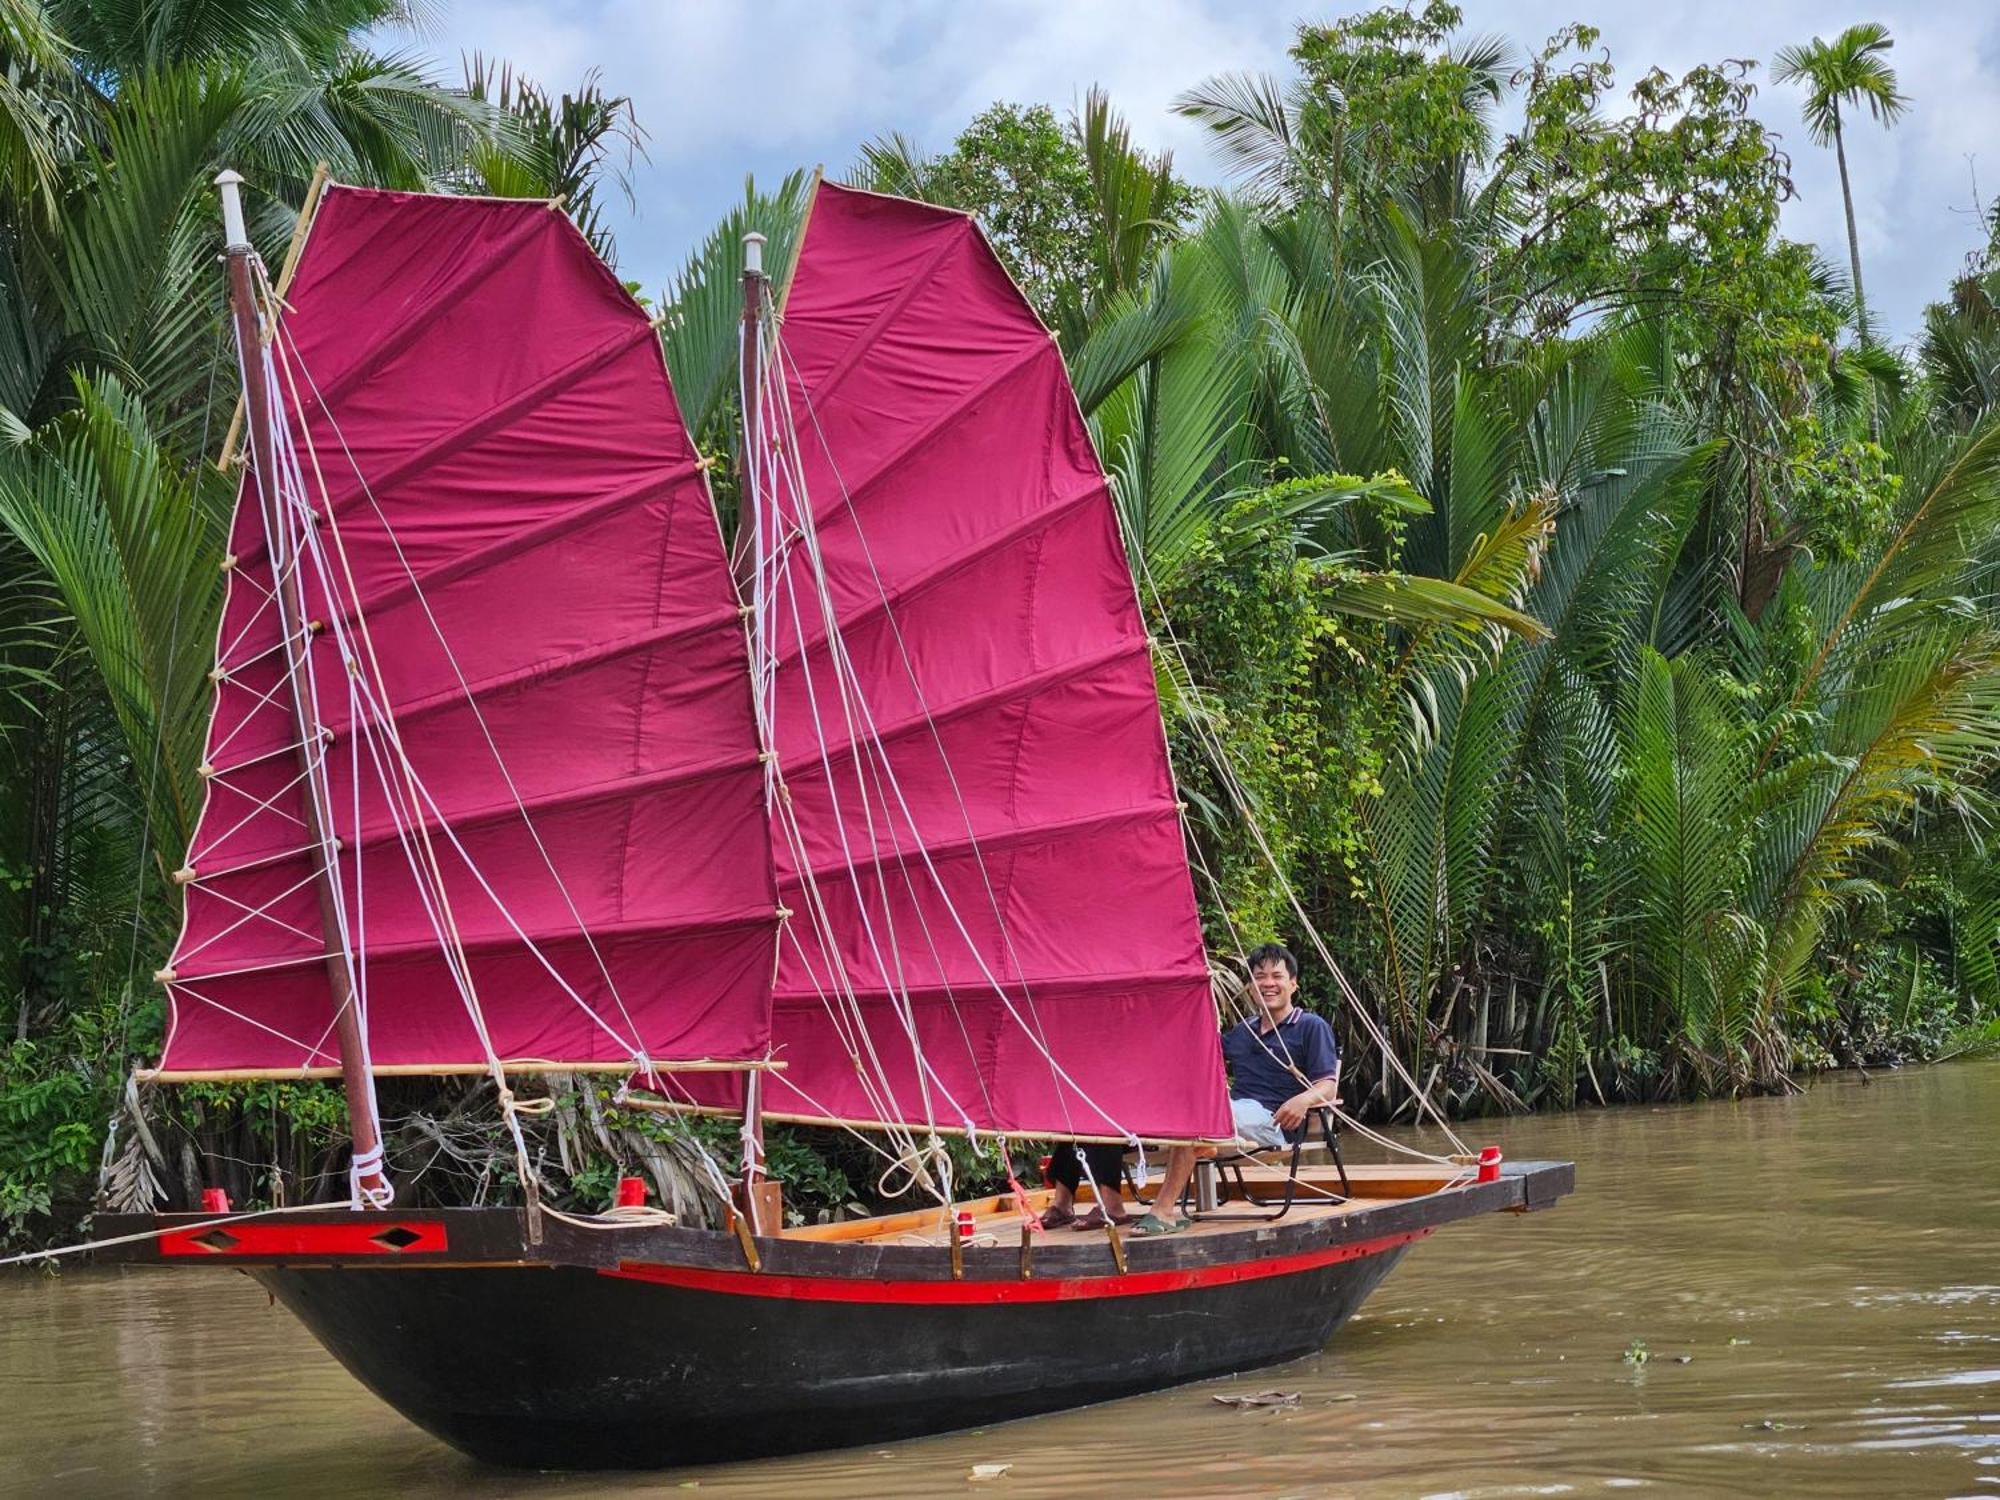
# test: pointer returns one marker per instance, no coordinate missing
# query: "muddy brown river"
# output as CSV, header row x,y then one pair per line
x,y
1814,1283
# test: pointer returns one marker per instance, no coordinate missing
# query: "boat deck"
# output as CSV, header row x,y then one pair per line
x,y
997,1220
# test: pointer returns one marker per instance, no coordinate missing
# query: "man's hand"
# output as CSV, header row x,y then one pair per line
x,y
1292,1113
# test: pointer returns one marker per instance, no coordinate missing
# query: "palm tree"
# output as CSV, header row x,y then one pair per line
x,y
1848,70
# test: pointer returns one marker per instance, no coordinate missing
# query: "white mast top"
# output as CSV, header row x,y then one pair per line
x,y
233,235
753,254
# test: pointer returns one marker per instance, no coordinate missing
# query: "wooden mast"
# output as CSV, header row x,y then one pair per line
x,y
746,520
369,1178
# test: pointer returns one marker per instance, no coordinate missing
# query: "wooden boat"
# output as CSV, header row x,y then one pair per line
x,y
652,1346
867,823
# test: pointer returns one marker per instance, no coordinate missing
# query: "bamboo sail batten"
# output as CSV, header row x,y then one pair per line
x,y
677,1107
523,1065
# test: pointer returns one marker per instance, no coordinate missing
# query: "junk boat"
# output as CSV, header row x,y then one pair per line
x,y
863,819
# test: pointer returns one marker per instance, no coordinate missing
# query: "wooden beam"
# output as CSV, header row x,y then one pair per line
x,y
449,1070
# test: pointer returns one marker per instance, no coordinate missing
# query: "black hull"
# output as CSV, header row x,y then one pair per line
x,y
609,1345
654,1375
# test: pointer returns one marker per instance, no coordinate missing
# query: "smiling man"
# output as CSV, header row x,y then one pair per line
x,y
1281,1062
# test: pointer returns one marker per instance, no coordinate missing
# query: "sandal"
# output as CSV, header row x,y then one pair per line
x,y
1096,1219
1151,1224
1056,1218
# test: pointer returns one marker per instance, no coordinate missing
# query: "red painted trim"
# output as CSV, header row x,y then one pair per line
x,y
1132,1284
272,1237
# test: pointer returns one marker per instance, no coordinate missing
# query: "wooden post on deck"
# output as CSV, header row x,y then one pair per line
x,y
367,1131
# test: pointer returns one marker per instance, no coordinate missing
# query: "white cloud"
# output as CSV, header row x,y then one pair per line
x,y
724,89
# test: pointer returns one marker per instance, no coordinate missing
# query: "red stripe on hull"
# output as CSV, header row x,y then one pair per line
x,y
248,1237
1132,1284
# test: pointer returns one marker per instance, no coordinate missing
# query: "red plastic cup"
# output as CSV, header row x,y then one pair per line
x,y
1489,1164
631,1192
214,1201
1047,1181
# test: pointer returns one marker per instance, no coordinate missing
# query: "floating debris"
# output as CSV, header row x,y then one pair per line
x,y
1635,1352
1262,1398
982,1472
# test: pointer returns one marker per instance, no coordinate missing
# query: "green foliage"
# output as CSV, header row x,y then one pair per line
x,y
563,146
1075,211
1604,638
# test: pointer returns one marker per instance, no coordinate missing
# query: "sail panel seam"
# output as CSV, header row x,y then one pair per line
x,y
481,426
553,668
935,428
561,523
1061,986
866,340
1015,838
886,598
442,301
716,922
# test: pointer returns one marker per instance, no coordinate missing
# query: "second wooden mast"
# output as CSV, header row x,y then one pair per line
x,y
371,1183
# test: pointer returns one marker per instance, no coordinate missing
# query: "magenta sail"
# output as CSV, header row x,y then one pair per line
x,y
991,826
526,662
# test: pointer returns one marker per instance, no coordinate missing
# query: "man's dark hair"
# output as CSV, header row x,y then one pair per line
x,y
1268,953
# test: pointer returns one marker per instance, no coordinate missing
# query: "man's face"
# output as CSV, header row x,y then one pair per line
x,y
1274,985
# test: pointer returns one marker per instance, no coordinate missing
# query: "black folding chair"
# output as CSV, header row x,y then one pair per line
x,y
1230,1167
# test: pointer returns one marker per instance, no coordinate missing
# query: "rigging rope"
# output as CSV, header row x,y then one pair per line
x,y
834,641
1244,803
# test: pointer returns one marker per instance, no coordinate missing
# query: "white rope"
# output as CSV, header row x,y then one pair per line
x,y
836,649
638,1050
1245,807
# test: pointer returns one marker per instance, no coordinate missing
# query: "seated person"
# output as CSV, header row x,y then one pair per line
x,y
1282,1063
1066,1164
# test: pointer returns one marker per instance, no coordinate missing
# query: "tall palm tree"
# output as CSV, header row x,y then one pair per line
x,y
1848,70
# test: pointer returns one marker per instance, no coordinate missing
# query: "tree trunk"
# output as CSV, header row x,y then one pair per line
x,y
1853,240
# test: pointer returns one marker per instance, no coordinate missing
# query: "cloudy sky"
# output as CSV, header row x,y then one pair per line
x,y
725,88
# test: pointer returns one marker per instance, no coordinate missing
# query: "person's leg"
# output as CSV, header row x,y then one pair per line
x,y
1255,1126
1164,1217
1107,1168
1174,1175
1066,1173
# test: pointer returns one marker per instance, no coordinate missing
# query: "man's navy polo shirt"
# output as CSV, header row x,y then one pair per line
x,y
1302,1039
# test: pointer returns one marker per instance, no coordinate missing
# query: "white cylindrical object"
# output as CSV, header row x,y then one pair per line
x,y
753,254
234,237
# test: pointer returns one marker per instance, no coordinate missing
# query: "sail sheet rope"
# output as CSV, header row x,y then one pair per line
x,y
1025,1015
1185,683
775,536
777,544
631,1042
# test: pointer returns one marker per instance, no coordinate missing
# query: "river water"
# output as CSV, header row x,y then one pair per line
x,y
1815,1282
